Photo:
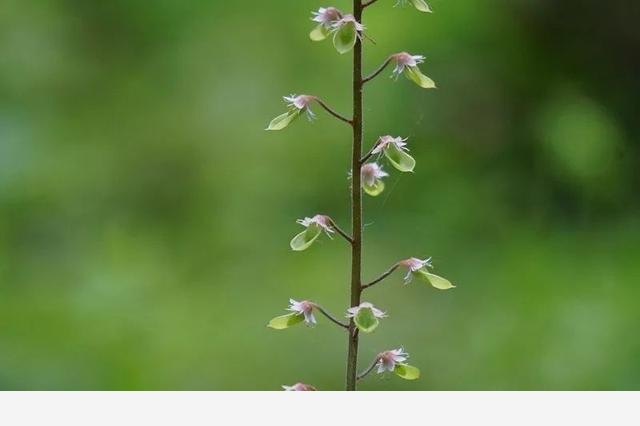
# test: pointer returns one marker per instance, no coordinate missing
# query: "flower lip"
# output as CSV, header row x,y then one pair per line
x,y
299,387
321,220
386,141
370,172
353,311
387,360
327,16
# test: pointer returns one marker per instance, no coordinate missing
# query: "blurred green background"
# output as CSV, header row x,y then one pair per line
x,y
145,215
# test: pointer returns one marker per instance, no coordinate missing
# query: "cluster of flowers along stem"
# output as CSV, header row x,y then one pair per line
x,y
347,33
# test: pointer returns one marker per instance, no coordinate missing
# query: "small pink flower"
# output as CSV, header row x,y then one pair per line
x,y
327,16
414,265
304,307
301,103
371,173
352,312
405,60
324,222
387,360
299,387
386,141
349,19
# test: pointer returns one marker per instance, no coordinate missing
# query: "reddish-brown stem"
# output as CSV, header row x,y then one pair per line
x,y
369,3
356,203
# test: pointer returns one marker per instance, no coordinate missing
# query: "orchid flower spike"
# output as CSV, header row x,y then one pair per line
x,y
299,387
366,316
371,176
419,268
326,17
305,308
296,106
395,149
315,226
408,64
347,30
421,5
395,362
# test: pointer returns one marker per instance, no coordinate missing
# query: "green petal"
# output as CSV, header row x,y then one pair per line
x,y
414,73
345,38
319,33
399,158
303,240
407,372
365,320
286,321
421,5
374,190
282,121
436,281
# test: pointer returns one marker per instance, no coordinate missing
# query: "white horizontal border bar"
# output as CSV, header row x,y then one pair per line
x,y
319,408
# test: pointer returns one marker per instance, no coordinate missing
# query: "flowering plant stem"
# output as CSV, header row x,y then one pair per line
x,y
348,34
356,203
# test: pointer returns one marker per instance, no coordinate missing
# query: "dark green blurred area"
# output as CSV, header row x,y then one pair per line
x,y
145,215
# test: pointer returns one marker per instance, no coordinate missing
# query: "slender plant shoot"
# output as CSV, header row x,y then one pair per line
x,y
347,32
